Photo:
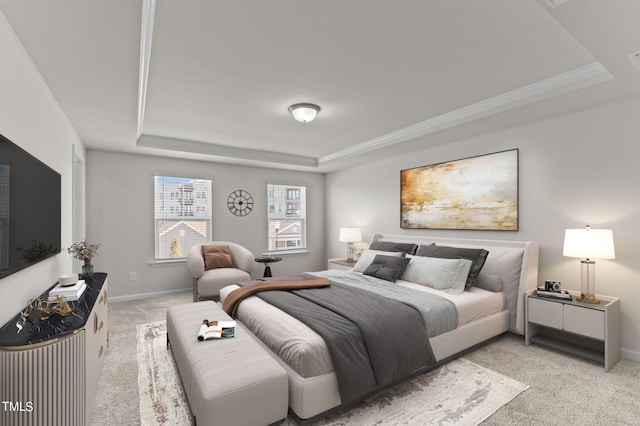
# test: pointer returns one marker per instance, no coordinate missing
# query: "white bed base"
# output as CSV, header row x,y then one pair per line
x,y
312,396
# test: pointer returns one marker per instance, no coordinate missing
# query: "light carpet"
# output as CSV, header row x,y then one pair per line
x,y
457,393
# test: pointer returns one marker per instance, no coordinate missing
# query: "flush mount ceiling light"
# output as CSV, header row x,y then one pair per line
x,y
304,113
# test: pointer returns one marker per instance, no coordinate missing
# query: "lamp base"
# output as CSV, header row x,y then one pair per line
x,y
588,281
351,252
588,298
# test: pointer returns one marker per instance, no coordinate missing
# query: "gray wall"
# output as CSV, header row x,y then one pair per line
x,y
574,170
120,217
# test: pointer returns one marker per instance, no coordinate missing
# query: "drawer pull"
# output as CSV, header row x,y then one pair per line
x,y
101,351
95,323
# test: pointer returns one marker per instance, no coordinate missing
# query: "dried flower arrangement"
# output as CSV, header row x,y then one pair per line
x,y
83,250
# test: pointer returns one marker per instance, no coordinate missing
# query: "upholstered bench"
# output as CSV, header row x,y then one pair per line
x,y
232,381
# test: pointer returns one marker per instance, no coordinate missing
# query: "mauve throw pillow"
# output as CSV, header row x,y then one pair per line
x,y
387,268
476,256
216,257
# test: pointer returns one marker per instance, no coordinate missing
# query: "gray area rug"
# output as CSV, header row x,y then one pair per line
x,y
457,393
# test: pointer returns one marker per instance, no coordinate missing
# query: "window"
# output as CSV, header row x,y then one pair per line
x,y
181,220
287,216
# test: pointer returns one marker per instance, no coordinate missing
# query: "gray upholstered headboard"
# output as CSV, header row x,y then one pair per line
x,y
516,262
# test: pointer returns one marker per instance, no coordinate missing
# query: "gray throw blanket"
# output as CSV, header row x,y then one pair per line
x,y
440,315
373,341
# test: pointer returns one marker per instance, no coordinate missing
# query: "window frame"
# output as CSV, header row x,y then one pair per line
x,y
286,239
168,201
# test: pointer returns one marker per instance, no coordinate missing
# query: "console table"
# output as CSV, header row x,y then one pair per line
x,y
50,368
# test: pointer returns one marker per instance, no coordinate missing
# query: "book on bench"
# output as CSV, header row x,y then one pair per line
x,y
216,330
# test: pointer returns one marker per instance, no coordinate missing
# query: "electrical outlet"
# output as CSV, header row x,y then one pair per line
x,y
132,276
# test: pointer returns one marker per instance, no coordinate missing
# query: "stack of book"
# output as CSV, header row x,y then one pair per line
x,y
560,295
70,293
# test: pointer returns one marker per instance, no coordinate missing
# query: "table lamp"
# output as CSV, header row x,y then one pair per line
x,y
350,235
588,244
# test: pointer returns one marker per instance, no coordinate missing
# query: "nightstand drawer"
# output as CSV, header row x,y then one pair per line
x,y
586,322
341,264
545,313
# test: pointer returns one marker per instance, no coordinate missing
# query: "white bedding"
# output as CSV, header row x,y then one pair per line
x,y
306,352
514,262
473,304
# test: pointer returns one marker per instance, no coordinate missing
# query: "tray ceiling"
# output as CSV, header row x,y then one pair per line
x,y
213,80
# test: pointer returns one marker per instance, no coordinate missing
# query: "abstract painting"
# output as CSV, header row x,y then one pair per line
x,y
470,193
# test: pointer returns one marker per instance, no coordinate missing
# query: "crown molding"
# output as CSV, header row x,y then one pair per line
x,y
577,78
175,144
146,37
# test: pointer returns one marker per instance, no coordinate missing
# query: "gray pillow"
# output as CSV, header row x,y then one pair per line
x,y
476,256
489,282
449,275
408,248
387,268
367,257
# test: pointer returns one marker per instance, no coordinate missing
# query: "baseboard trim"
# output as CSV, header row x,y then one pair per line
x,y
629,354
116,299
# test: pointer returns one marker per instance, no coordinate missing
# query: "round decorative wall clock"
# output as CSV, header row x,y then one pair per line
x,y
240,202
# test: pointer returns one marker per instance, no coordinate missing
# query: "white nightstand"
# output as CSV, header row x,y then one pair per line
x,y
584,329
340,264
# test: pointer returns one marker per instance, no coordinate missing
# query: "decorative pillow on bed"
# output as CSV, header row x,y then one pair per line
x,y
408,248
216,257
477,256
368,255
489,282
387,268
448,275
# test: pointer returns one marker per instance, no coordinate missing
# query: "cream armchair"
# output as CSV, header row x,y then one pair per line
x,y
208,282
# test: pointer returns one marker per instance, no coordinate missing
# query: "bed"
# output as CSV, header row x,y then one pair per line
x,y
510,268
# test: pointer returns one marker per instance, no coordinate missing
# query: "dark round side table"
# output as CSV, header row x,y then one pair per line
x,y
267,260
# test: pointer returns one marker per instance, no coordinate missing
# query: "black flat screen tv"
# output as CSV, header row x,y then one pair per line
x,y
30,209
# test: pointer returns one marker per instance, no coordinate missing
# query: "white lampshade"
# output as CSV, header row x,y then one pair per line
x,y
304,113
589,243
350,235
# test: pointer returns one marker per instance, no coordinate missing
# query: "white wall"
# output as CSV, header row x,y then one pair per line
x,y
32,119
574,170
120,217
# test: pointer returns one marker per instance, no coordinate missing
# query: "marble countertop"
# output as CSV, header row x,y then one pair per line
x,y
20,331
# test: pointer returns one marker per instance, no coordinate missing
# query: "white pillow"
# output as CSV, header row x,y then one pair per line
x,y
449,275
368,255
